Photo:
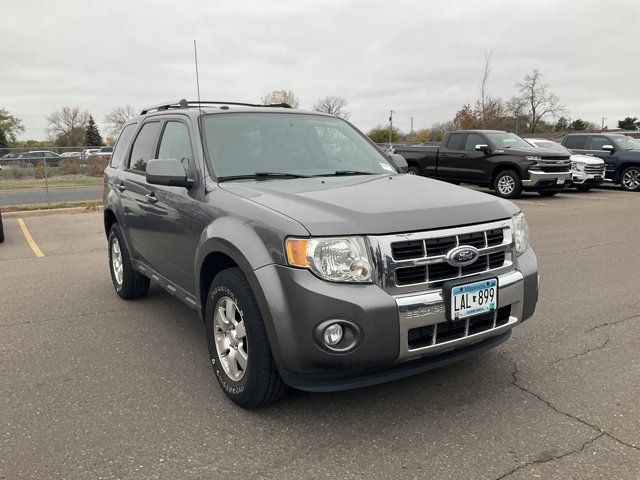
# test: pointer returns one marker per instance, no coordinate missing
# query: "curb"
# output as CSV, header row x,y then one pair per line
x,y
52,211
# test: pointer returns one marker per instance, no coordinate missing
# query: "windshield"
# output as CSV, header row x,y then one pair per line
x,y
243,144
627,143
549,145
506,140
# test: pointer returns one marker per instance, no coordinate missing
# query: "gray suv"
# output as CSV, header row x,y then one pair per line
x,y
312,259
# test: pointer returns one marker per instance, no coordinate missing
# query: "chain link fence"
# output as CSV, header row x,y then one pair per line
x,y
51,175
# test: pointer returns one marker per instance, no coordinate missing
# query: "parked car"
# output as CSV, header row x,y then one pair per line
x,y
39,156
71,154
499,160
621,155
586,171
321,271
89,152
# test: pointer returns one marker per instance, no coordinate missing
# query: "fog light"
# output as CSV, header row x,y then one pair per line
x,y
333,334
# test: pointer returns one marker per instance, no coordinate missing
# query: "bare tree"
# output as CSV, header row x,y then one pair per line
x,y
488,56
67,126
539,100
333,106
281,96
517,108
116,119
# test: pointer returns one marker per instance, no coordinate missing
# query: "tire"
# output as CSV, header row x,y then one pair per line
x,y
241,357
413,170
583,188
630,179
128,283
548,193
507,184
1,229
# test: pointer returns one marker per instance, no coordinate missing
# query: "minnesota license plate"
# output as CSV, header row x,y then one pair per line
x,y
560,181
474,299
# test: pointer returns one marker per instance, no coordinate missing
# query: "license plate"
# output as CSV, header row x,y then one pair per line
x,y
560,181
474,299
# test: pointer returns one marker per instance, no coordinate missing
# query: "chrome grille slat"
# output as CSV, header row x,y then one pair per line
x,y
494,242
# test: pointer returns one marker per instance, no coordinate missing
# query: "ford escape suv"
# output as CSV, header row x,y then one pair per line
x,y
312,259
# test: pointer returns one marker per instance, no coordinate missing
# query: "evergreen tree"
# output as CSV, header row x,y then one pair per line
x,y
4,143
629,123
578,125
92,137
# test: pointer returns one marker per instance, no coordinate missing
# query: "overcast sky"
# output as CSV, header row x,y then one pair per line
x,y
420,58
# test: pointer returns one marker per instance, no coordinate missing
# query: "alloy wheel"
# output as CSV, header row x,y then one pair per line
x,y
230,337
631,179
116,261
506,185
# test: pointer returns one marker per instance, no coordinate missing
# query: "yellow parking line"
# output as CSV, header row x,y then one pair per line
x,y
30,240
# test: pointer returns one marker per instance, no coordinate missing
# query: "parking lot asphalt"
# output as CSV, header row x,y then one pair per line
x,y
92,386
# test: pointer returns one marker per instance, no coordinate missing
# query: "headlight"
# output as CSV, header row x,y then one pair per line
x,y
533,157
578,166
520,233
337,259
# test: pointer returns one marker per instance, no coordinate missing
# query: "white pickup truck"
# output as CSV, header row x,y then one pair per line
x,y
586,171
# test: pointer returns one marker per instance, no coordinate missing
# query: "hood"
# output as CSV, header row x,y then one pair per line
x,y
378,204
534,151
588,159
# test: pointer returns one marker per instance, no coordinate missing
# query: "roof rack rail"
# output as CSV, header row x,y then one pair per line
x,y
194,103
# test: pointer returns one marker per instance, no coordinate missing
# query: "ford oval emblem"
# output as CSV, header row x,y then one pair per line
x,y
462,255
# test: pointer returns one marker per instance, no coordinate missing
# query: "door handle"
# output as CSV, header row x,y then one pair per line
x,y
151,197
120,187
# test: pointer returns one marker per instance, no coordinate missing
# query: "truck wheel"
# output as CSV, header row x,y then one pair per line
x,y
548,193
630,179
413,170
507,184
238,345
583,188
128,283
1,229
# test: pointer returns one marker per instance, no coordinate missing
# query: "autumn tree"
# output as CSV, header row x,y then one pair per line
x,y
439,129
421,135
629,123
540,102
92,137
67,126
10,125
332,105
281,96
116,119
380,134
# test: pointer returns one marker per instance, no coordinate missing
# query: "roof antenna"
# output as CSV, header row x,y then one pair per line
x,y
195,53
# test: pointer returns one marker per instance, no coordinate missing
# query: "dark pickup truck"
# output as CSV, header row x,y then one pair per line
x,y
621,155
499,160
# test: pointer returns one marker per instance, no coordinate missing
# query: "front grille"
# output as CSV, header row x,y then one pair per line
x,y
555,168
406,250
430,335
594,169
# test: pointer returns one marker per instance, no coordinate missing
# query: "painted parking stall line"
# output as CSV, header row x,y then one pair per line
x,y
30,240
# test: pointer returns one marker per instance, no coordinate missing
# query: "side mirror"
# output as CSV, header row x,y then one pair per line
x,y
608,148
483,148
399,162
167,172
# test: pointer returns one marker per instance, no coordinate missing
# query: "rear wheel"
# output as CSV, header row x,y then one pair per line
x,y
507,184
547,193
1,229
413,170
630,179
238,345
128,283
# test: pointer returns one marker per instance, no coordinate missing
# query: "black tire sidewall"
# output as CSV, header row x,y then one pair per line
x,y
231,283
622,179
413,170
1,229
517,189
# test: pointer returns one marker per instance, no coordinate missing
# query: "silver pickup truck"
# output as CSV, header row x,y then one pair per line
x,y
312,259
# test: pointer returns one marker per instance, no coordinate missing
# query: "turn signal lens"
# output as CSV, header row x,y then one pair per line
x,y
297,252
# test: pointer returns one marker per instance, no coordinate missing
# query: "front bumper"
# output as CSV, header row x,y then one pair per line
x,y
582,178
551,180
294,302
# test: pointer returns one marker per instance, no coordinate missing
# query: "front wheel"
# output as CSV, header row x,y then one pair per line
x,y
630,180
238,345
507,184
547,193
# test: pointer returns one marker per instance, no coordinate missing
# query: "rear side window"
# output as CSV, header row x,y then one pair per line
x,y
175,144
122,145
598,141
456,141
144,146
473,139
576,142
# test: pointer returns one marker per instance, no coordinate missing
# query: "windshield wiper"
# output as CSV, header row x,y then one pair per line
x,y
347,172
262,176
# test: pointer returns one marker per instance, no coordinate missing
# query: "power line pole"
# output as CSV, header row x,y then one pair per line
x,y
411,118
603,119
391,126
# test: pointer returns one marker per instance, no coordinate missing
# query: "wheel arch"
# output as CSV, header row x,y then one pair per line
x,y
501,167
